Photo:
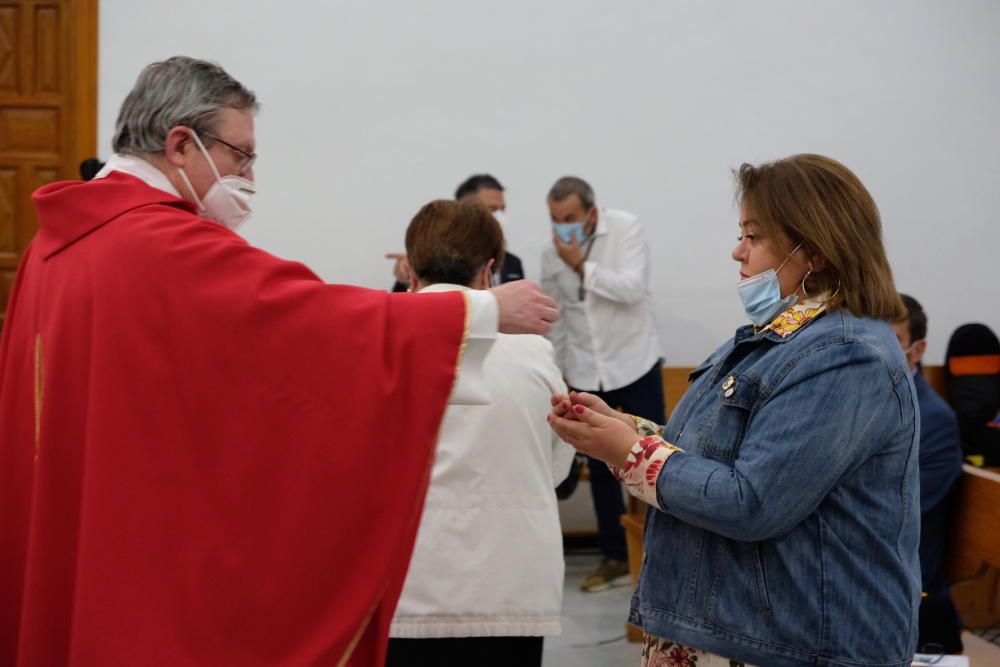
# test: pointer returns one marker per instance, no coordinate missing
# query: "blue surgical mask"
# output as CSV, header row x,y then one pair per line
x,y
567,231
761,295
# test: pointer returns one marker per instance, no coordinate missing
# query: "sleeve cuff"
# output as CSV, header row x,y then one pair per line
x,y
481,331
643,466
485,318
645,427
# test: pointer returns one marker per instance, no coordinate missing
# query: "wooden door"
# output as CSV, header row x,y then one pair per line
x,y
48,110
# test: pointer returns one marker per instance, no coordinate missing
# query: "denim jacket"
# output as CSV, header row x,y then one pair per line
x,y
790,521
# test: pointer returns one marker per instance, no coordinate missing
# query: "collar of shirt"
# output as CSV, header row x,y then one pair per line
x,y
602,224
446,287
144,171
797,316
787,323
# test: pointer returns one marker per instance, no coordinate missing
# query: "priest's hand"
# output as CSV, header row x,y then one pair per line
x,y
600,436
524,308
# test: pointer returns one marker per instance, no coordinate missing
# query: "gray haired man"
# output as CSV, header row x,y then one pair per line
x,y
208,456
597,269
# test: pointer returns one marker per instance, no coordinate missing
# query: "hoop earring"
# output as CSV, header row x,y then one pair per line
x,y
832,296
835,292
802,285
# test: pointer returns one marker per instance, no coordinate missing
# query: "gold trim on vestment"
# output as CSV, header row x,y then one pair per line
x,y
361,631
465,340
39,389
426,482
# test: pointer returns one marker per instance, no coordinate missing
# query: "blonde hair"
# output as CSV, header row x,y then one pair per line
x,y
820,203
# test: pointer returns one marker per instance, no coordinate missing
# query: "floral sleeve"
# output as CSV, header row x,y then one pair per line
x,y
645,461
657,652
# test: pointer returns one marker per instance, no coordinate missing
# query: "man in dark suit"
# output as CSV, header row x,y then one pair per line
x,y
940,468
487,190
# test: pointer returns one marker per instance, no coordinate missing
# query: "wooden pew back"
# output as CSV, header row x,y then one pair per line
x,y
675,383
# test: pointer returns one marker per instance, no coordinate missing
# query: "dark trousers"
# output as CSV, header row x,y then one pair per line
x,y
642,398
940,626
463,651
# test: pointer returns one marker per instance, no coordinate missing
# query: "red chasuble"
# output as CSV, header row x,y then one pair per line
x,y
208,456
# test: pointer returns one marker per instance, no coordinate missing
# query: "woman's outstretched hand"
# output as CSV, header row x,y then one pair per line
x,y
601,433
561,404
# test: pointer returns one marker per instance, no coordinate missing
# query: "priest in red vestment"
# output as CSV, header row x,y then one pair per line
x,y
208,456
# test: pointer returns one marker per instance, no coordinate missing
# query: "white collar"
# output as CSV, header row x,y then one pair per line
x,y
446,287
144,171
602,224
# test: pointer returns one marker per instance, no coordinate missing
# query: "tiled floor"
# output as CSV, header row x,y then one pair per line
x,y
981,652
593,624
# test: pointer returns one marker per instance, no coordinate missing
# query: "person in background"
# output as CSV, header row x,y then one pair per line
x,y
487,190
940,469
486,580
597,270
784,510
972,380
89,168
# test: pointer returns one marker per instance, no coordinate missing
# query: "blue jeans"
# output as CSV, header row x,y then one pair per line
x,y
643,398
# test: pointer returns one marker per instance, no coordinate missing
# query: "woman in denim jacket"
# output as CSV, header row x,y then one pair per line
x,y
783,493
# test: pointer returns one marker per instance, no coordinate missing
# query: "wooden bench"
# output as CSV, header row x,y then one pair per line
x,y
974,558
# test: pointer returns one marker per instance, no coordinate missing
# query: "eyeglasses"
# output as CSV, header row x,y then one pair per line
x,y
246,164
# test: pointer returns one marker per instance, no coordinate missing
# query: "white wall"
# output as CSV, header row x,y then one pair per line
x,y
370,109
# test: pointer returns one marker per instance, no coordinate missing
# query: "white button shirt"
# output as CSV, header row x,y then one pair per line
x,y
609,339
488,560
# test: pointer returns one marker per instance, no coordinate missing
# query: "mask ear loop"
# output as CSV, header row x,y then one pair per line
x,y
204,152
787,257
782,265
187,181
489,275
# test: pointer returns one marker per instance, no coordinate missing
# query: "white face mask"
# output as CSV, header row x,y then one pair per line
x,y
228,200
906,354
501,218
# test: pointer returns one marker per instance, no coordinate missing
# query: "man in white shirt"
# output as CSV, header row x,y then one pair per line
x,y
597,270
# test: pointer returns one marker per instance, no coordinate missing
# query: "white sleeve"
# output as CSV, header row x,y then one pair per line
x,y
483,315
557,332
562,460
628,283
562,453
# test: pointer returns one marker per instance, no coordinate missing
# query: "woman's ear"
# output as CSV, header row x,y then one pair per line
x,y
487,274
816,263
414,281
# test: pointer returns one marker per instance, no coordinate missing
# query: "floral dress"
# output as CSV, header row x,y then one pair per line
x,y
658,652
639,474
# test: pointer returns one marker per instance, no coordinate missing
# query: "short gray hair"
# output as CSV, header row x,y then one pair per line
x,y
571,185
177,91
